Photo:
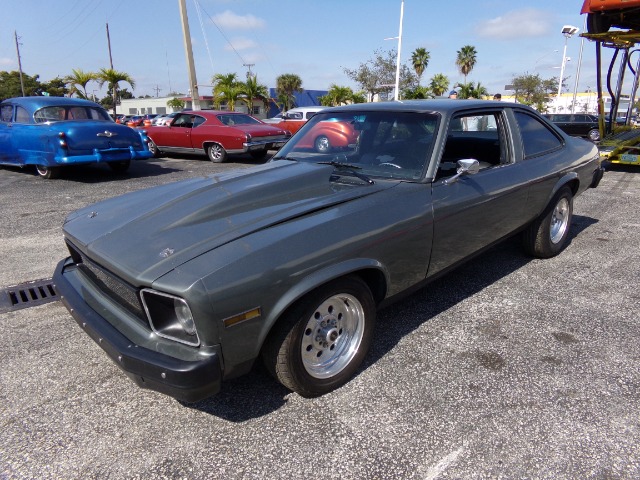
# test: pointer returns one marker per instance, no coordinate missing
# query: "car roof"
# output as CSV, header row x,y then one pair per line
x,y
447,105
32,104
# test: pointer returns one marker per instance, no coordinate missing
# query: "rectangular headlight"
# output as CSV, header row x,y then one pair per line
x,y
170,316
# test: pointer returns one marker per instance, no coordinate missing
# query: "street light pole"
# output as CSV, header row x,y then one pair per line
x,y
568,31
397,94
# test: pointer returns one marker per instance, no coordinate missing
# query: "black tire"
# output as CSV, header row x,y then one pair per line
x,y
259,154
216,153
322,144
47,173
594,135
547,235
153,148
318,345
598,23
120,167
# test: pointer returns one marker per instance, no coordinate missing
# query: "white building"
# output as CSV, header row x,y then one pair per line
x,y
140,106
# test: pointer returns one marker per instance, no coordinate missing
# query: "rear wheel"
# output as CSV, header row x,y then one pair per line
x,y
216,153
259,154
48,172
598,23
320,343
594,135
322,144
548,234
120,167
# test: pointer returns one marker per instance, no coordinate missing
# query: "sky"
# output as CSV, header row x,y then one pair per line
x,y
316,40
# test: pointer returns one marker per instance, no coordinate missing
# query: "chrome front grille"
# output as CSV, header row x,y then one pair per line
x,y
117,289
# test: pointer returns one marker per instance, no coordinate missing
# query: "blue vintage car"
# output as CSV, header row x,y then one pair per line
x,y
52,132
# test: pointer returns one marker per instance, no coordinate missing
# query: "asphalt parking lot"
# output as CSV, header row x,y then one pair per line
x,y
509,367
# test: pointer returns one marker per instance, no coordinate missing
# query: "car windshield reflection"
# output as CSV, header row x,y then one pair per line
x,y
381,144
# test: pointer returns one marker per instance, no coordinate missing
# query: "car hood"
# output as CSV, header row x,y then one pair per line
x,y
89,134
142,235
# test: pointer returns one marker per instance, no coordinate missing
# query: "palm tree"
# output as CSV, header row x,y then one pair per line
x,y
439,84
251,90
79,78
113,78
420,60
337,96
226,88
469,90
286,85
466,60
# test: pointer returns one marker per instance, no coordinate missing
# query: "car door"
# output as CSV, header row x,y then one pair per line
x,y
178,135
476,210
7,151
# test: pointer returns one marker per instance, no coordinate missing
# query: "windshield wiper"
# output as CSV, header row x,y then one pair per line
x,y
349,168
287,157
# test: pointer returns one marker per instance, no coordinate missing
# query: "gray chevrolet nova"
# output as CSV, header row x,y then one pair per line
x,y
188,284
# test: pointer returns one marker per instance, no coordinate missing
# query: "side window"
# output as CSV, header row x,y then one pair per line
x,y
22,116
478,136
197,121
6,113
536,137
182,121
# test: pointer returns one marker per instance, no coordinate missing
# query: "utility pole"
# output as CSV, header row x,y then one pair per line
x,y
193,83
248,65
19,62
109,45
114,92
157,89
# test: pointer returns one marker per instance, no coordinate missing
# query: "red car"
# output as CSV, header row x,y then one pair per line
x,y
604,14
216,134
328,136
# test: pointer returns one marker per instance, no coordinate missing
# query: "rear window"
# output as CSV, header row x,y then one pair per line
x,y
536,137
61,113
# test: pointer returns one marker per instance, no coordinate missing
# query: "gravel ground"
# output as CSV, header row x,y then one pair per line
x,y
509,367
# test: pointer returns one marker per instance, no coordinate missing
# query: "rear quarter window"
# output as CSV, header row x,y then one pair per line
x,y
6,113
536,136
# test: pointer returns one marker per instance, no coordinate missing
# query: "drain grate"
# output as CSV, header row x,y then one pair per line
x,y
28,294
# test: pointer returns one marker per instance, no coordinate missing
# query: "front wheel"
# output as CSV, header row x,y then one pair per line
x,y
320,343
153,148
47,172
548,234
216,153
594,135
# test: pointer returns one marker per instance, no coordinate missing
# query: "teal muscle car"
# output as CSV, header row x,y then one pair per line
x,y
188,284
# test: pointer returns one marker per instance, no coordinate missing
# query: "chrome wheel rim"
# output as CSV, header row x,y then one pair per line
x,y
560,220
42,170
216,152
332,336
322,144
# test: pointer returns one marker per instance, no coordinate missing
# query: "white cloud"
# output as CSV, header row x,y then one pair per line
x,y
241,43
230,20
517,24
6,61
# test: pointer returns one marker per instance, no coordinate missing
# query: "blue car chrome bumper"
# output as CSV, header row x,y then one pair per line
x,y
186,380
105,155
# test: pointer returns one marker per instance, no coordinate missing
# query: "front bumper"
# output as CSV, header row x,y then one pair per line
x,y
187,380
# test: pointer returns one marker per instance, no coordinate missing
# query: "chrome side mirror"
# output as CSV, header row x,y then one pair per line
x,y
469,166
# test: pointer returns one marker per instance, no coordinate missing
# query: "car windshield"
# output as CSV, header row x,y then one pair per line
x,y
237,119
378,144
61,113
